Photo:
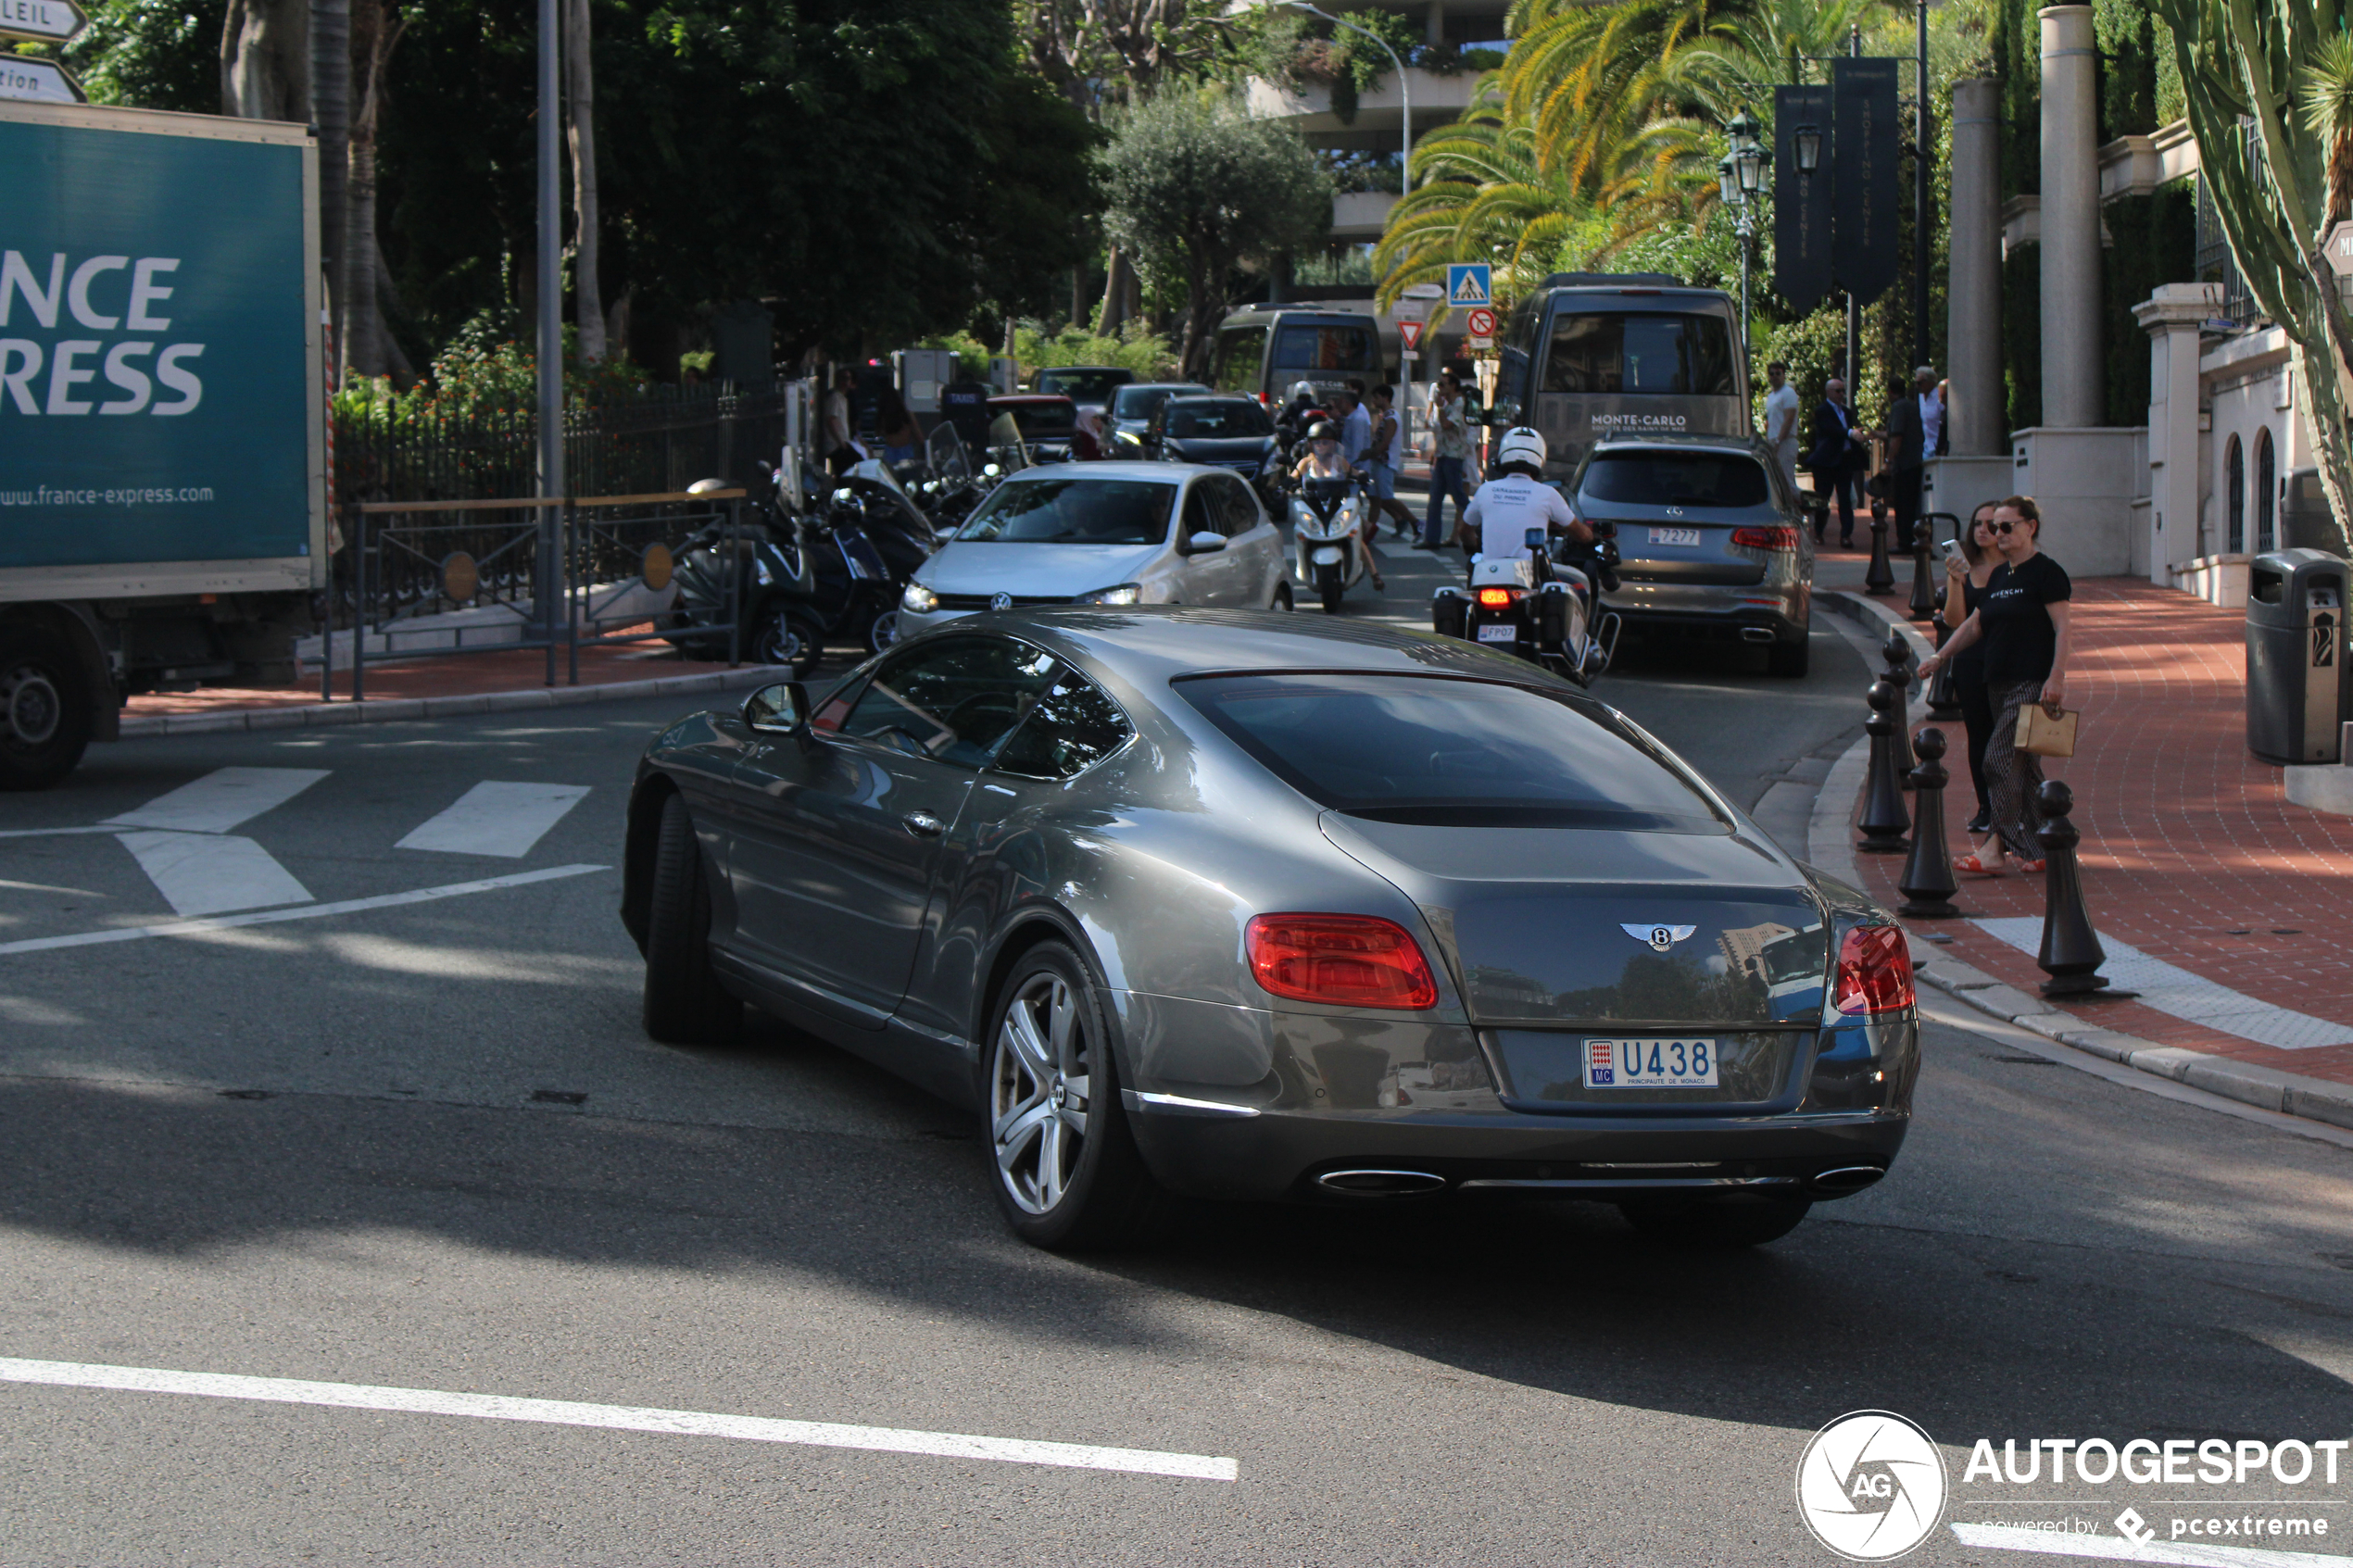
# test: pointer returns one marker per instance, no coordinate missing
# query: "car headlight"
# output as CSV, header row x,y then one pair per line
x,y
1126,594
920,599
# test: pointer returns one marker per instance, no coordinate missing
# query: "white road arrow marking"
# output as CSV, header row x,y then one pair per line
x,y
203,873
496,819
221,799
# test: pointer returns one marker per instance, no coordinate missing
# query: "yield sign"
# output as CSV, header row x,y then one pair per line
x,y
50,21
1410,333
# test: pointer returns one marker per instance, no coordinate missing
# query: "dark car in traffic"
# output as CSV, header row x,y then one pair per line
x,y
1254,905
1710,539
1221,431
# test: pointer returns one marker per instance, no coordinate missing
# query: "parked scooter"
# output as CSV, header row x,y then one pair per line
x,y
1327,519
1542,606
868,539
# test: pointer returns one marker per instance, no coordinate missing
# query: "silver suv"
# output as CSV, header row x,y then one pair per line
x,y
1710,541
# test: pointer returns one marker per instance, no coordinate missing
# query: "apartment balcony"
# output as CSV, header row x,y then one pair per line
x,y
1437,100
1358,217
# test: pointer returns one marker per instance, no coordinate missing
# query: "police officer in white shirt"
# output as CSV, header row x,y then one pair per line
x,y
1515,501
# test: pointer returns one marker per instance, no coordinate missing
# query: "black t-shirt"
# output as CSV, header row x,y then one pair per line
x,y
2021,640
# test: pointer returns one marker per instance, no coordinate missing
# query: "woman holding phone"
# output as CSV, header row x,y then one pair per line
x,y
2023,619
1969,561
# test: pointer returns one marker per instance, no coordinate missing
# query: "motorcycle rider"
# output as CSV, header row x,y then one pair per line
x,y
1324,461
1497,520
1294,413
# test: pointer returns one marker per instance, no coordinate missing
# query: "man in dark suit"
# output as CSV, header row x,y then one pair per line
x,y
1837,459
1915,426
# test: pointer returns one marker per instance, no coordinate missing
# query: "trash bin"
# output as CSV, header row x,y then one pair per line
x,y
2296,643
2305,523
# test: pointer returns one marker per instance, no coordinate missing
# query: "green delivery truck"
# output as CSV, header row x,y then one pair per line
x,y
163,449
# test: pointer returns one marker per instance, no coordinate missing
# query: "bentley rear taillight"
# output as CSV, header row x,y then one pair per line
x,y
1766,538
1874,971
1345,960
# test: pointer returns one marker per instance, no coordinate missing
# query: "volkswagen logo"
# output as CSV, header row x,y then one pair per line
x,y
1660,937
1002,601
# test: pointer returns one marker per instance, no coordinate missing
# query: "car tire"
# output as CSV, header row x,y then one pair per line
x,y
1791,661
882,632
1049,1047
44,711
685,1004
1739,1223
786,638
1333,594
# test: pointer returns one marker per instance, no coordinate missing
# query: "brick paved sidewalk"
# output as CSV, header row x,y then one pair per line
x,y
2192,852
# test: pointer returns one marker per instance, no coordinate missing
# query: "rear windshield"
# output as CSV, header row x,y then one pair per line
x,y
1303,346
1685,355
1675,479
1138,402
1073,511
1041,419
1441,753
1219,420
1083,387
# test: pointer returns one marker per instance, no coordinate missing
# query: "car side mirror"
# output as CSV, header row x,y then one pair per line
x,y
780,710
1204,543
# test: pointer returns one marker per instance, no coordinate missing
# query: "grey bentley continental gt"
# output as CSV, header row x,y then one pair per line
x,y
1253,905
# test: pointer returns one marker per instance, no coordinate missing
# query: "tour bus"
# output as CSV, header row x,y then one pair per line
x,y
1591,355
1264,350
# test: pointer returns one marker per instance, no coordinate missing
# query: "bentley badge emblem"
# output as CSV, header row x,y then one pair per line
x,y
1660,937
1002,601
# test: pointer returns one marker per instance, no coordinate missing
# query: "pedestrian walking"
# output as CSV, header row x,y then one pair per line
x,y
1916,427
1355,424
1780,420
1384,456
1840,455
1450,458
902,438
2023,619
842,451
1966,574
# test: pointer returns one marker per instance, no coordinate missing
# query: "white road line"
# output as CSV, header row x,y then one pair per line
x,y
496,819
2190,997
210,873
626,1418
2115,1549
309,911
54,832
221,799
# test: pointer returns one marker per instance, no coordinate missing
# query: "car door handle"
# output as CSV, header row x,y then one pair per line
x,y
924,824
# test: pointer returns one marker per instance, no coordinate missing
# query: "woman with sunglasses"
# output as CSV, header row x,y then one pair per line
x,y
1966,575
2023,619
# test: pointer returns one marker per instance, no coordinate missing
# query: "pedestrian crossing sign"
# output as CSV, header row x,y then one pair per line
x,y
1467,283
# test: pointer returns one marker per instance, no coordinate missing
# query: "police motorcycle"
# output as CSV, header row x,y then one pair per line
x,y
1542,605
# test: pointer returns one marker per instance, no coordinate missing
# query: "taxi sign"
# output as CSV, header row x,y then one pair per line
x,y
1480,322
1478,345
1469,282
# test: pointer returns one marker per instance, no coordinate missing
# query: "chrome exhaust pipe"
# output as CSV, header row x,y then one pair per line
x,y
1380,1184
1844,1180
1756,634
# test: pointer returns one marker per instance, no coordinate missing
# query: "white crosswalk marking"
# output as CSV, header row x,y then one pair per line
x,y
496,819
203,873
221,799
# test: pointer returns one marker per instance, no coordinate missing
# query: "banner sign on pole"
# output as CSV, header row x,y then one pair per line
x,y
1469,282
28,79
1410,310
1803,242
45,21
1865,145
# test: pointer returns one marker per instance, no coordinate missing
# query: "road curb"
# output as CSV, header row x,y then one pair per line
x,y
397,710
1869,611
1831,846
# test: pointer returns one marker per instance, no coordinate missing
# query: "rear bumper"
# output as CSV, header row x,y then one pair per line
x,y
1782,609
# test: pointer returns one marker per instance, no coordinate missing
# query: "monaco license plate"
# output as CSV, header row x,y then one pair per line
x,y
1649,1064
1499,631
1675,536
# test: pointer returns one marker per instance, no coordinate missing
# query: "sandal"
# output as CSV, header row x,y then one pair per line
x,y
1975,867
2033,868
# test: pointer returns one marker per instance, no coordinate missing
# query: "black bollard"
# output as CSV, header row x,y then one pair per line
x,y
1923,586
1942,701
1896,654
1885,822
1881,577
2070,954
1927,881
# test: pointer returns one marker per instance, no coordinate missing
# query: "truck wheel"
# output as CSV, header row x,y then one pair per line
x,y
683,1002
44,711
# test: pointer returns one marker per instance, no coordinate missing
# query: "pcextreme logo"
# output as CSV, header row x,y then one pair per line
x,y
1871,1486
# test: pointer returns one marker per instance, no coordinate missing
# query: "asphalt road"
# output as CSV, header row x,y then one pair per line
x,y
424,1146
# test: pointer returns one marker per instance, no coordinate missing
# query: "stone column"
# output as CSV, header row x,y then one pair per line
x,y
2074,379
1975,415
2171,317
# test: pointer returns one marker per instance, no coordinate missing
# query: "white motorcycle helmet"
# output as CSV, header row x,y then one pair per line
x,y
1303,391
1520,445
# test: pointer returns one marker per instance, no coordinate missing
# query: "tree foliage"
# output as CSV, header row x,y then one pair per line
x,y
151,54
1193,186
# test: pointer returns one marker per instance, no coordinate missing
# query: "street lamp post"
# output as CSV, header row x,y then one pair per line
x,y
1405,89
1740,180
